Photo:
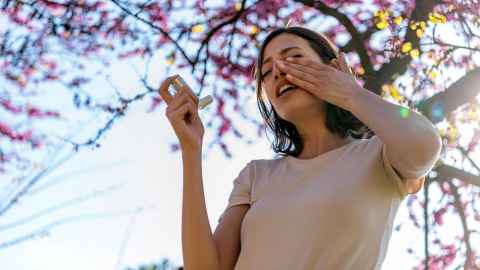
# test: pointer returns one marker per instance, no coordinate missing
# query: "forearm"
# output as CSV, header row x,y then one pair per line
x,y
198,246
409,136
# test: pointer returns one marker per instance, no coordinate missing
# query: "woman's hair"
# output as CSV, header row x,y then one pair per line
x,y
287,140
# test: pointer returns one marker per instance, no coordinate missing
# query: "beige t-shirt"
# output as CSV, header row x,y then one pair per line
x,y
331,212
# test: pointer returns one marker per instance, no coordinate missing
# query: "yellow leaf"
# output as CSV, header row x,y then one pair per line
x,y
398,20
414,53
382,14
385,90
413,25
389,89
406,47
238,6
420,33
453,132
442,132
254,29
423,25
197,28
432,74
394,93
170,61
436,17
382,24
473,114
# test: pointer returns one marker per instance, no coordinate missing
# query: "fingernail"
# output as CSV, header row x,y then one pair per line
x,y
289,59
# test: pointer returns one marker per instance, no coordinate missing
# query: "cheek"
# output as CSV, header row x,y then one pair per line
x,y
267,92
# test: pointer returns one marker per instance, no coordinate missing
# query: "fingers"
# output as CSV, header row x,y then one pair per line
x,y
163,90
179,99
178,115
308,63
189,92
181,104
189,95
344,63
165,94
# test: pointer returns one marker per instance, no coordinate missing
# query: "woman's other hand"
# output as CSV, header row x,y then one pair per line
x,y
333,82
182,113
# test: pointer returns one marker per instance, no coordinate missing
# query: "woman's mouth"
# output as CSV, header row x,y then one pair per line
x,y
287,91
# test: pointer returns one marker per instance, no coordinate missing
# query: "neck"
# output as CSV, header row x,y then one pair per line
x,y
317,139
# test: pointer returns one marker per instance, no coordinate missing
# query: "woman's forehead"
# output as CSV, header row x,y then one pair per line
x,y
283,41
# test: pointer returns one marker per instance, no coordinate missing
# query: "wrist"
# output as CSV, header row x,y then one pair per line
x,y
191,150
358,99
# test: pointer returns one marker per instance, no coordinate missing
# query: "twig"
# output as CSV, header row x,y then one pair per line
x,y
126,237
59,206
45,230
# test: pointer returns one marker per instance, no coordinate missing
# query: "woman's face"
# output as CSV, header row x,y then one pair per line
x,y
298,103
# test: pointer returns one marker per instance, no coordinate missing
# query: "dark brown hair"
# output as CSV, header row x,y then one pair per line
x,y
287,140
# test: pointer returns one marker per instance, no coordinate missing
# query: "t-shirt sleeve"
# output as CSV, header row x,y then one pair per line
x,y
393,175
241,191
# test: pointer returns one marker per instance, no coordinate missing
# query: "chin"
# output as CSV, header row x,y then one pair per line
x,y
299,106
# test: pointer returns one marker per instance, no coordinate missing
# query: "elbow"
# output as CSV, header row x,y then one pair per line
x,y
423,155
429,151
434,146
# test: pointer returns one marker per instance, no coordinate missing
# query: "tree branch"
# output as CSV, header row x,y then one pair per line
x,y
440,105
447,172
457,202
357,39
399,64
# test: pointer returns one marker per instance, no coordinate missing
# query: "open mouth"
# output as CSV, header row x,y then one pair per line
x,y
289,89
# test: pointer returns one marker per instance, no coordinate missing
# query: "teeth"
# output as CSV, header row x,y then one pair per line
x,y
283,87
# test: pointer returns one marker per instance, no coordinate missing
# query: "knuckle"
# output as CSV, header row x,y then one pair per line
x,y
190,105
179,97
192,97
173,115
195,104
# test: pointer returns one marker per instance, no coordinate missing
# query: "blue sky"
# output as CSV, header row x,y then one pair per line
x,y
135,156
136,160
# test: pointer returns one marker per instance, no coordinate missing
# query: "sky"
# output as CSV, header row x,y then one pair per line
x,y
135,158
135,169
136,155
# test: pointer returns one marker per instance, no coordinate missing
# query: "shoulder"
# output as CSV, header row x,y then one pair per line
x,y
264,164
253,168
264,167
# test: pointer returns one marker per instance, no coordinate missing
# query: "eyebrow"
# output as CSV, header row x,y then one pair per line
x,y
282,51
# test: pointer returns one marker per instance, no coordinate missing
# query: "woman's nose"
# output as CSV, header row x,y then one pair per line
x,y
277,71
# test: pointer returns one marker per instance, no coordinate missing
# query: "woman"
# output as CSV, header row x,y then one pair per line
x,y
329,201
